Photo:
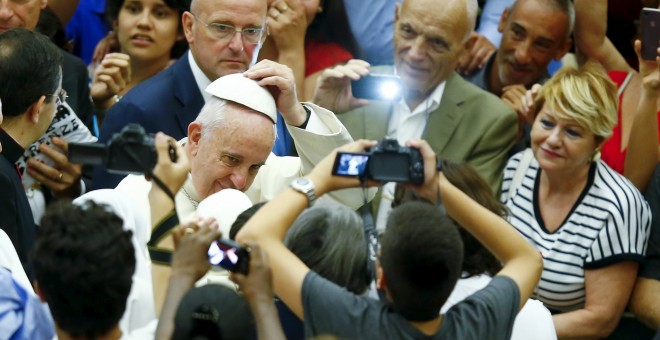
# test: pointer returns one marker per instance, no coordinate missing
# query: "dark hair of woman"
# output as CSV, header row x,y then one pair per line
x,y
331,25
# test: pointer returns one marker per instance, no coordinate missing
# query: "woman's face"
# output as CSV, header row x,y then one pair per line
x,y
147,29
561,145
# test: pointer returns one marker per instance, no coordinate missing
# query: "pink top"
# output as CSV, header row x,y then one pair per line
x,y
611,153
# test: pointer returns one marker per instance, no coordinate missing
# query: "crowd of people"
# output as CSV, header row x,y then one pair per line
x,y
538,142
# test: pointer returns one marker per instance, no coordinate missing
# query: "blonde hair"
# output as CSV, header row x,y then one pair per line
x,y
586,95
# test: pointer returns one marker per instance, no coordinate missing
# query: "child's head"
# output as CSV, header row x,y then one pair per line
x,y
330,240
420,260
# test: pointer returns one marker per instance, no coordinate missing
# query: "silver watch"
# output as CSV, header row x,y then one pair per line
x,y
306,187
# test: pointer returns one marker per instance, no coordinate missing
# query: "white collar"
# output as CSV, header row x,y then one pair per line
x,y
432,101
200,78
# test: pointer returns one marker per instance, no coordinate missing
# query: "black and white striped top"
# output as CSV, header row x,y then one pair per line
x,y
610,222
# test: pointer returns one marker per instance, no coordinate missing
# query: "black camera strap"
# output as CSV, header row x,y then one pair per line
x,y
370,233
163,229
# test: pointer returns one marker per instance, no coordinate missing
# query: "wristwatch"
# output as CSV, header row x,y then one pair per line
x,y
306,187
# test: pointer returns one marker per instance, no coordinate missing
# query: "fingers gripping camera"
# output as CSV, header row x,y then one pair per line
x,y
386,162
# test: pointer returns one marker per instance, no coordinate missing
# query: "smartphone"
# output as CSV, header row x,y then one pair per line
x,y
378,87
229,255
650,25
350,164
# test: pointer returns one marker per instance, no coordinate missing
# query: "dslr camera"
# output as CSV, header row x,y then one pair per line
x,y
386,162
131,151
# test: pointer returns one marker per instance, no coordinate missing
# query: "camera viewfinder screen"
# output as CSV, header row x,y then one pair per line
x,y
222,255
349,164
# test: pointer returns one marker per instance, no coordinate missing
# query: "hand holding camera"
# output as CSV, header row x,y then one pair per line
x,y
257,282
385,162
191,243
333,88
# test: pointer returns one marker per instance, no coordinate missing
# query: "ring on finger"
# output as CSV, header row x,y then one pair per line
x,y
284,8
189,230
59,178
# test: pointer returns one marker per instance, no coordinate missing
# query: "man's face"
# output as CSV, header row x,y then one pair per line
x,y
20,13
220,57
231,156
533,34
428,39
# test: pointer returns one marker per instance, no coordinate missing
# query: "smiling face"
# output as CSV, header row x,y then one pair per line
x,y
219,57
230,157
560,144
533,34
147,29
20,13
428,40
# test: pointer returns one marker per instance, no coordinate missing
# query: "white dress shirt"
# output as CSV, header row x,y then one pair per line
x,y
403,126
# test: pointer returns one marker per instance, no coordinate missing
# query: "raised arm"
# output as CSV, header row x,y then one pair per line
x,y
288,25
521,262
270,224
173,175
643,153
590,38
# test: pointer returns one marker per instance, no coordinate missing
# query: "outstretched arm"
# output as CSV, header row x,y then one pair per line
x,y
521,262
271,223
642,151
257,288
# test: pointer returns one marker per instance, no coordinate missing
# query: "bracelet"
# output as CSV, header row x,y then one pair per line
x,y
309,114
117,98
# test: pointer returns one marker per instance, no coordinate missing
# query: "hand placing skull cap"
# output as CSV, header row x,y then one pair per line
x,y
239,89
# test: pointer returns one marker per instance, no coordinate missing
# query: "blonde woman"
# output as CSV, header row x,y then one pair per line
x,y
588,221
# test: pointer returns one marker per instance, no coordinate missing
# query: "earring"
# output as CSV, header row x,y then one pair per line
x,y
595,157
319,9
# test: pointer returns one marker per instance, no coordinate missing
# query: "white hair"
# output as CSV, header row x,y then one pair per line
x,y
212,116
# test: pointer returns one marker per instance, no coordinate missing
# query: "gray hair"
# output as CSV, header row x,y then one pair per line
x,y
330,240
212,116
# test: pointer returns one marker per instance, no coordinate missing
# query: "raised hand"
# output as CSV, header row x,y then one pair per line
x,y
333,88
287,24
63,178
111,77
477,56
280,81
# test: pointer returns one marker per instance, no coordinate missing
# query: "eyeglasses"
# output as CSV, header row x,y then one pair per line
x,y
250,35
60,97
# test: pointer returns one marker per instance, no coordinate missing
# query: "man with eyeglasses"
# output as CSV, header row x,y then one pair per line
x,y
46,172
224,38
460,121
29,107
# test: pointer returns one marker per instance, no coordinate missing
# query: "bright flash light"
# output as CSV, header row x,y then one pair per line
x,y
390,89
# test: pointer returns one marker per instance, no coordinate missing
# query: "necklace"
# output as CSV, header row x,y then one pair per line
x,y
192,201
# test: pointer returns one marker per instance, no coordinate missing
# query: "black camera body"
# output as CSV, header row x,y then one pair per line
x,y
131,151
386,162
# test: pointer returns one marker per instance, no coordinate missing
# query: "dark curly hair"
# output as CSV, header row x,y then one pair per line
x,y
83,262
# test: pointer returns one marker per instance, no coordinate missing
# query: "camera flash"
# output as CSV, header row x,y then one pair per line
x,y
390,89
